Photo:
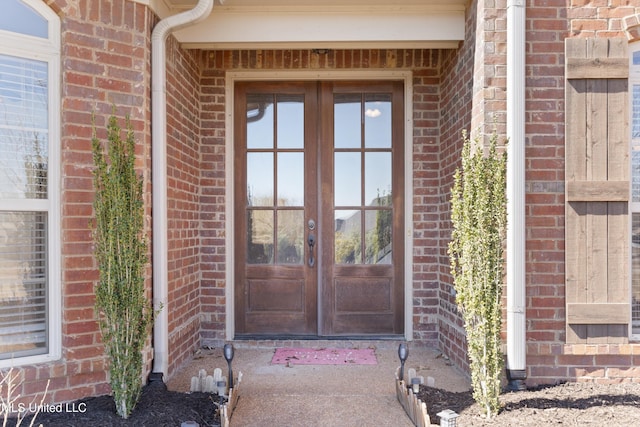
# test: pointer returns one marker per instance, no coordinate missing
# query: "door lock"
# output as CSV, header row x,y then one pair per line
x,y
312,242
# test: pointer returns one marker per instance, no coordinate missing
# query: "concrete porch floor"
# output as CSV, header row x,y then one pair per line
x,y
320,395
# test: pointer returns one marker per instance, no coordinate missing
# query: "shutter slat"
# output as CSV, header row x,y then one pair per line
x,y
597,191
597,68
598,314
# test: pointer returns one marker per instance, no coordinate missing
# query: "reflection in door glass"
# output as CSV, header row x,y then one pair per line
x,y
290,132
347,179
260,236
348,238
260,179
259,121
377,176
347,112
377,121
378,225
290,179
290,236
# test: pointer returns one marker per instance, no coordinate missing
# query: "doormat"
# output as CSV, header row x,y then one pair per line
x,y
324,356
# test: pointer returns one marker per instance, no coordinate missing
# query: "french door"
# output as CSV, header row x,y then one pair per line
x,y
319,209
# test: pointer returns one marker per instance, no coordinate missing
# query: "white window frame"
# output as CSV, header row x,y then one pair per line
x,y
634,207
45,50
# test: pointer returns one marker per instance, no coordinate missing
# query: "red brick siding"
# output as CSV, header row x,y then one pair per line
x,y
183,202
456,101
426,201
212,187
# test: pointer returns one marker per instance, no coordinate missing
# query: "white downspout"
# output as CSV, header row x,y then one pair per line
x,y
516,297
159,175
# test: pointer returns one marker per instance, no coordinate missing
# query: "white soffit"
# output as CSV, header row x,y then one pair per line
x,y
277,24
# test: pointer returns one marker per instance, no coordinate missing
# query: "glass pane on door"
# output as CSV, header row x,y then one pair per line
x,y
348,125
290,122
377,121
348,237
259,121
347,179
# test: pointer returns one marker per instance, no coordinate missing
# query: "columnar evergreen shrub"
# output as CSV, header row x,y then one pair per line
x,y
124,312
479,217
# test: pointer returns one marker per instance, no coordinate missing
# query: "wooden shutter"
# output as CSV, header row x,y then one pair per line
x,y
597,191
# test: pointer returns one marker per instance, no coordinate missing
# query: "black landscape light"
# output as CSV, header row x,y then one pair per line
x,y
228,355
403,353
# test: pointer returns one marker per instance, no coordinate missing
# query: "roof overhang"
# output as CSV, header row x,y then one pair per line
x,y
330,24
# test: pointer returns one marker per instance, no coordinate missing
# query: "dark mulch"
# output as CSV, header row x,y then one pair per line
x,y
574,404
157,407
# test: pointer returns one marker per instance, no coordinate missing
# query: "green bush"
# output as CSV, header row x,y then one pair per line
x,y
479,217
124,312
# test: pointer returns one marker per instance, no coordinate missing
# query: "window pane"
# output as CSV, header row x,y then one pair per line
x,y
290,121
347,179
290,236
290,179
635,265
347,121
635,174
260,188
23,284
259,121
24,134
377,121
635,114
348,237
378,226
17,17
377,175
260,236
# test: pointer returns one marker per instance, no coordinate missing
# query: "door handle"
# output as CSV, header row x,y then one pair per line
x,y
311,240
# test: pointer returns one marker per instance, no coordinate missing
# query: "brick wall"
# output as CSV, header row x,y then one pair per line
x,y
426,199
212,187
105,63
183,204
460,92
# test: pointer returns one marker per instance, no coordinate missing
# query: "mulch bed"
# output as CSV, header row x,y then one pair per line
x,y
157,407
583,404
574,404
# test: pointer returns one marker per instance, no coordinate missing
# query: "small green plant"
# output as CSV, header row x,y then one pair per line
x,y
478,213
124,312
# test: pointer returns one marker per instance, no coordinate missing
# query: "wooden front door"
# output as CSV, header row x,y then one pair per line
x,y
319,209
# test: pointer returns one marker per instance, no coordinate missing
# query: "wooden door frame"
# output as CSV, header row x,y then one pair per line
x,y
231,78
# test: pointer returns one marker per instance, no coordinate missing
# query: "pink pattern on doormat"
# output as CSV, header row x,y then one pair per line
x,y
324,356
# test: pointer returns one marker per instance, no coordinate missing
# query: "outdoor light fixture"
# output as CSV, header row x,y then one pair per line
x,y
447,418
228,355
415,383
403,353
221,386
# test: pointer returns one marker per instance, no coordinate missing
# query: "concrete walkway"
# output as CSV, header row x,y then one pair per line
x,y
321,395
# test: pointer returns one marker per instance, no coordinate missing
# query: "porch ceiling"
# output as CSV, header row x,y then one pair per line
x,y
274,24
